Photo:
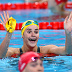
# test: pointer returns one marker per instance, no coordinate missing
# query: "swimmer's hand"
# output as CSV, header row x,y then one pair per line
x,y
68,29
8,23
68,23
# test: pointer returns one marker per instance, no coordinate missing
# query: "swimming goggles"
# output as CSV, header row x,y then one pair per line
x,y
34,59
28,23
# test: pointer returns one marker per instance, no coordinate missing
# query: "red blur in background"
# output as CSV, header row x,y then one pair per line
x,y
44,5
55,25
68,5
20,25
27,6
36,5
43,25
1,6
1,27
8,6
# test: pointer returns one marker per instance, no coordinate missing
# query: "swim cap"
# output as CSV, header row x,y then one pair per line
x,y
25,59
60,1
28,23
11,24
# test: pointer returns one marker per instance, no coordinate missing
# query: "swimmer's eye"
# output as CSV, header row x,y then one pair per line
x,y
36,32
28,31
41,64
34,65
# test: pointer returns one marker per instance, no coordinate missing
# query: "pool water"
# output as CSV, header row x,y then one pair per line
x,y
46,37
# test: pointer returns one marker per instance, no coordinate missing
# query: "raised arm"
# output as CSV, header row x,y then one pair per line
x,y
5,44
68,29
67,49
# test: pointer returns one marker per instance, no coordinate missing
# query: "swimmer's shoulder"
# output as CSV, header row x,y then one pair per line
x,y
53,49
46,49
12,51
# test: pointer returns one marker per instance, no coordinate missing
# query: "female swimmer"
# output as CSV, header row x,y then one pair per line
x,y
30,35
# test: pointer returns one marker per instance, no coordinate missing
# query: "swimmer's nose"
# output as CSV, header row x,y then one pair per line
x,y
40,68
33,34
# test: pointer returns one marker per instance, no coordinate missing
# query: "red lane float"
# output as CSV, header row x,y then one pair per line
x,y
17,26
1,6
44,5
36,5
15,55
49,27
55,25
42,54
1,27
7,6
48,55
27,6
61,25
11,6
17,6
20,25
42,25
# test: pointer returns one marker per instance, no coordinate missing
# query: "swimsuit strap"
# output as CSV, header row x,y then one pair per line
x,y
21,52
38,50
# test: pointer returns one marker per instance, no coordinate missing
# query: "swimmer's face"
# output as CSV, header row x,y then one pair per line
x,y
36,66
31,36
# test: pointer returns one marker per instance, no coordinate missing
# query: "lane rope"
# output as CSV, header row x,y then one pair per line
x,y
42,25
36,5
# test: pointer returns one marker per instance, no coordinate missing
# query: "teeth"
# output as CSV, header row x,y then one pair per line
x,y
32,39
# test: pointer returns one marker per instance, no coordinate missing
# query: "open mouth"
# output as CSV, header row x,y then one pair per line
x,y
32,39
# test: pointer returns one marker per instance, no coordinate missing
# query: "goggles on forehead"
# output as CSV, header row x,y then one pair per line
x,y
34,59
29,23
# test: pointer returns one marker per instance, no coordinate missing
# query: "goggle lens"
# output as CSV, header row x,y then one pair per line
x,y
28,23
35,58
